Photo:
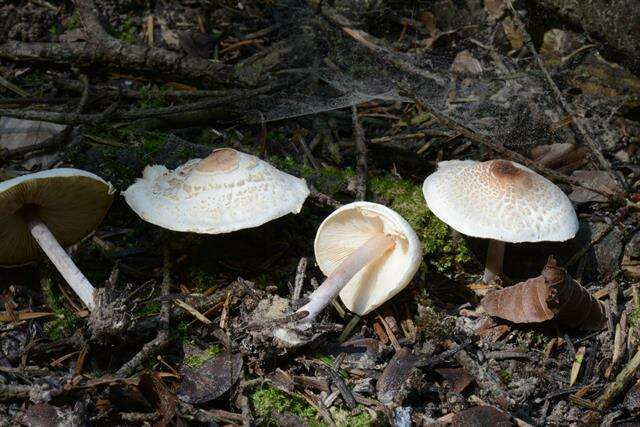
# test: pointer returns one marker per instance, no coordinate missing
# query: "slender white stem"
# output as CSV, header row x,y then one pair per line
x,y
495,258
59,257
371,250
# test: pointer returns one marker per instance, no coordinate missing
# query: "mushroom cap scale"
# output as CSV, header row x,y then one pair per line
x,y
500,200
226,191
348,228
70,202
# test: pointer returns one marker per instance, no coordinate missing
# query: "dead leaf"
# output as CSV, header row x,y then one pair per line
x,y
496,8
42,415
552,295
596,179
18,133
564,157
23,315
465,63
513,33
391,384
480,416
210,381
457,377
154,390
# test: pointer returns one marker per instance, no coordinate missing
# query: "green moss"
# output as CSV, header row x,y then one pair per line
x,y
328,180
344,418
634,318
122,156
268,400
441,251
127,31
151,97
197,360
150,308
66,322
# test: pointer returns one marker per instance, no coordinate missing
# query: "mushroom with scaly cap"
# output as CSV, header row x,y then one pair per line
x,y
502,201
44,211
224,192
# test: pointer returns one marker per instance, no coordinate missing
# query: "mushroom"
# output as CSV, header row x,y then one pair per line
x,y
48,210
499,200
369,254
224,192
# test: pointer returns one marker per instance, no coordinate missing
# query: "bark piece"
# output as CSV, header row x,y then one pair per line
x,y
214,378
552,295
391,386
479,416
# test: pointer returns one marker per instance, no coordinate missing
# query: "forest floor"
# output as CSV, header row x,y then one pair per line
x,y
362,99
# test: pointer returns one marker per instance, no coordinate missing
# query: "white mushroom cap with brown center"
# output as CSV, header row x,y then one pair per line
x,y
224,192
70,202
349,228
500,200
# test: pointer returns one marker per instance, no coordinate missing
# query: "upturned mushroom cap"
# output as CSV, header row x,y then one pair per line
x,y
70,202
345,230
226,191
500,200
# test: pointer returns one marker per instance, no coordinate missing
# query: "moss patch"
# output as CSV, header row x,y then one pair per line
x,y
634,318
268,400
441,251
197,360
66,322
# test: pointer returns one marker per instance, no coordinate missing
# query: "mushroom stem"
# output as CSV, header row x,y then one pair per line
x,y
371,250
495,258
63,262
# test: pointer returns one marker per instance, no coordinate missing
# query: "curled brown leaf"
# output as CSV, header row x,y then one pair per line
x,y
552,295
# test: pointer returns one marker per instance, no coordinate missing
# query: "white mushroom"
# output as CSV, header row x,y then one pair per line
x,y
48,210
369,253
226,191
499,200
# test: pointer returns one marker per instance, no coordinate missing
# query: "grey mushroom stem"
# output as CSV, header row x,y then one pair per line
x,y
495,258
371,250
63,262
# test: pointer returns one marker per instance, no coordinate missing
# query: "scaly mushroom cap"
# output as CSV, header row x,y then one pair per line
x,y
500,200
350,226
224,192
71,202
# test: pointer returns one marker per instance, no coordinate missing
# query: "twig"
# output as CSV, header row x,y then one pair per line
x,y
152,348
361,152
343,388
299,281
109,116
376,45
620,383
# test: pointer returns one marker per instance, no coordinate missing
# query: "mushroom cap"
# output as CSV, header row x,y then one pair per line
x,y
500,200
224,192
350,226
71,202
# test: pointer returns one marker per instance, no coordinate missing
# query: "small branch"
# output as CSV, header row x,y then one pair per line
x,y
299,281
621,382
361,151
